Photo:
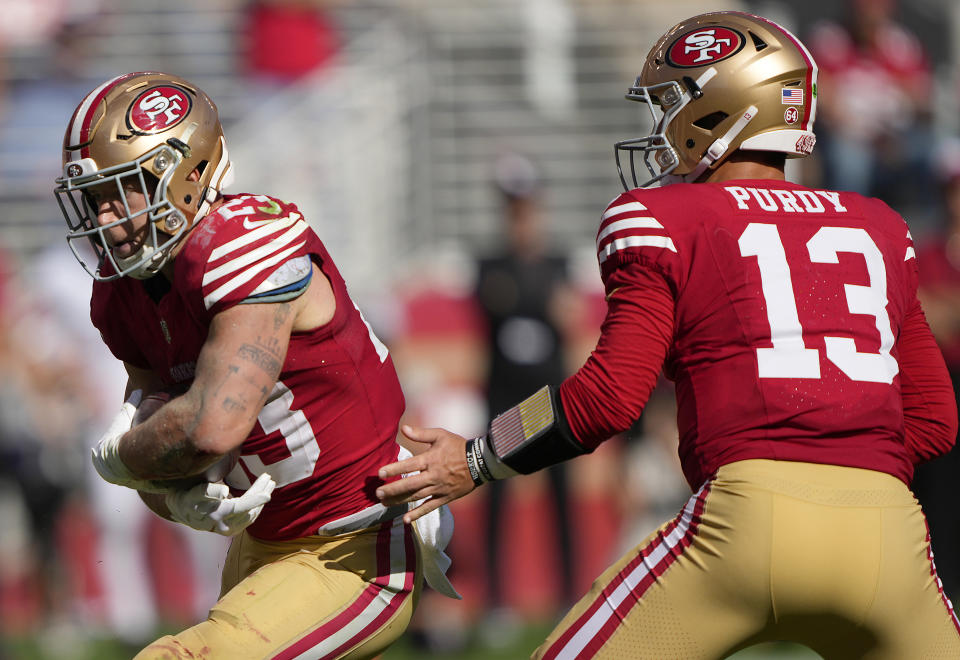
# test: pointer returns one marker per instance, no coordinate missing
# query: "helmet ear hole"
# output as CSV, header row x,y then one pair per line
x,y
758,43
711,121
196,174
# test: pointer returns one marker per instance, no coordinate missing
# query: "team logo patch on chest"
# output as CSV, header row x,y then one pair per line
x,y
158,109
704,46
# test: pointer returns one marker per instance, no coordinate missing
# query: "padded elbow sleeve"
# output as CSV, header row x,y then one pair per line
x,y
534,434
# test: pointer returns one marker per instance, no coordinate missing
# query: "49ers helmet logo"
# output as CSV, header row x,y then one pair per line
x,y
704,46
158,109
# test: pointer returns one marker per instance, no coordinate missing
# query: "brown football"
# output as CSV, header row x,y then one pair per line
x,y
149,405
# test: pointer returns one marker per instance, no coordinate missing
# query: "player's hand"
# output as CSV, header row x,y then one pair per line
x,y
210,508
441,473
106,455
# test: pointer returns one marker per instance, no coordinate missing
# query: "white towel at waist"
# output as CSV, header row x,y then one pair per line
x,y
434,531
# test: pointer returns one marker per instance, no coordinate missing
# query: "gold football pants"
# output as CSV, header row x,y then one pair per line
x,y
347,596
837,559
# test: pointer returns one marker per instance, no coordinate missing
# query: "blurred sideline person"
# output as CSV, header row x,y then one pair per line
x,y
287,400
807,380
521,290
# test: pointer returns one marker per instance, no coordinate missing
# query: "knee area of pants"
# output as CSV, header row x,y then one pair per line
x,y
166,648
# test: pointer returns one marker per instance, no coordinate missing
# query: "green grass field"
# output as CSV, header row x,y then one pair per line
x,y
531,636
73,645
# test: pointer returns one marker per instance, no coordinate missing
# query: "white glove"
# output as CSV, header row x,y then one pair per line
x,y
106,455
209,507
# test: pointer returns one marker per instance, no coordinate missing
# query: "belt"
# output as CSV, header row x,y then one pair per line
x,y
371,516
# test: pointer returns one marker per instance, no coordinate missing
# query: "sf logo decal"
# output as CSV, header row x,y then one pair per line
x,y
704,46
158,109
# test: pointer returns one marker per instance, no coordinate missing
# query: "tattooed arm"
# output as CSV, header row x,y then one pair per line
x,y
236,370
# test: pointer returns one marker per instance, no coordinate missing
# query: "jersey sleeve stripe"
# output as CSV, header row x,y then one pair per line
x,y
622,208
617,244
253,236
629,223
82,119
910,254
248,274
253,255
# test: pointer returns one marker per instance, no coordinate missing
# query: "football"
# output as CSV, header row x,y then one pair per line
x,y
149,405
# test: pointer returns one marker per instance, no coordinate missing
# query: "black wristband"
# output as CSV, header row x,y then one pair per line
x,y
472,463
477,446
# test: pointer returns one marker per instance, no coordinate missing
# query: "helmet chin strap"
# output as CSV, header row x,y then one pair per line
x,y
720,146
221,178
150,260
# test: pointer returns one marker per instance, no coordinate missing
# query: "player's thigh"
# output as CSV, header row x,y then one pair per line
x,y
851,570
910,616
309,603
694,589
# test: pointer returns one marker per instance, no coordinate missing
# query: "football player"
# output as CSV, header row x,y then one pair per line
x,y
807,381
231,306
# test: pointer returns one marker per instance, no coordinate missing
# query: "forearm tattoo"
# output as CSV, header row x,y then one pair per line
x,y
232,405
263,354
280,315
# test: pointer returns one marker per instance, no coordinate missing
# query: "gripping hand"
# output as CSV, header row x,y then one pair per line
x,y
210,508
106,455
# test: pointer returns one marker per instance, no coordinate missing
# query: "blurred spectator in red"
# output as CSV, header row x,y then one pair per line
x,y
874,117
287,39
939,262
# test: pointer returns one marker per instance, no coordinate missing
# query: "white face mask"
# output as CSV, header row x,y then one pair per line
x,y
83,227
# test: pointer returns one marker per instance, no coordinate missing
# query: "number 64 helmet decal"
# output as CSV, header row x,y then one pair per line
x,y
713,84
150,131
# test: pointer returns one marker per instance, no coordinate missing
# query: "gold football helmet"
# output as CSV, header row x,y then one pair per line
x,y
716,83
150,131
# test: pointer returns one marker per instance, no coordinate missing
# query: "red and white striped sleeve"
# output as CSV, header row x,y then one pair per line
x,y
631,232
249,252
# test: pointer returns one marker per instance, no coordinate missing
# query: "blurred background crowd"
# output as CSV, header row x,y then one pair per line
x,y
455,157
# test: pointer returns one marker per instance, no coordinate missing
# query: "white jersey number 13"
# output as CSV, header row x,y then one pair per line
x,y
789,357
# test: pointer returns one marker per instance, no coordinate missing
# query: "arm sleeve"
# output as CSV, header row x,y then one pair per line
x,y
608,393
929,403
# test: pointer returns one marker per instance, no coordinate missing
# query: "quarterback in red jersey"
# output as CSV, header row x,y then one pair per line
x,y
808,384
233,302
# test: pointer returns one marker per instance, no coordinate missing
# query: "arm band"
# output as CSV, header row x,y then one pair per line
x,y
473,463
532,435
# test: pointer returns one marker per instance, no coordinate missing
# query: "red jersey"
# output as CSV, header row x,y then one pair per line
x,y
331,420
787,310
